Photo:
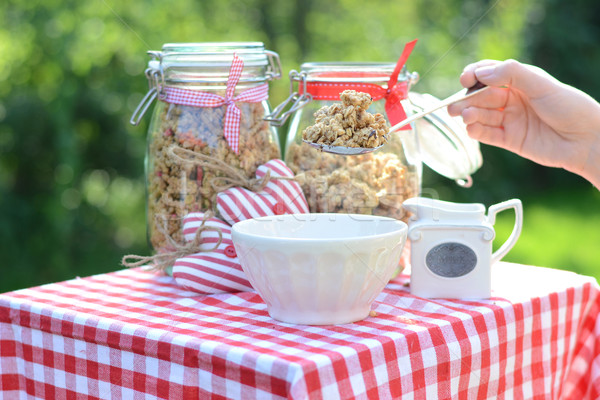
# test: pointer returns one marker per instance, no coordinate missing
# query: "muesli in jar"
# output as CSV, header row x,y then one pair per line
x,y
374,183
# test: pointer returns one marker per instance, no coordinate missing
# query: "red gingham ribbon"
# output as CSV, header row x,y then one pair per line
x,y
231,125
395,91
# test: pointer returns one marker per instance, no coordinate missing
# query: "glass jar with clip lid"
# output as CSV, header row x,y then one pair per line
x,y
212,98
378,182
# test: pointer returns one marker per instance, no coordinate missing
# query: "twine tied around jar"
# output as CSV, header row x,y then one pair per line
x,y
232,176
163,260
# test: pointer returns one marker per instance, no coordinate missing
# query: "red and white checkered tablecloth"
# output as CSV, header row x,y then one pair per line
x,y
136,335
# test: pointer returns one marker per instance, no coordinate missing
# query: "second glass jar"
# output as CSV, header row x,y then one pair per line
x,y
376,183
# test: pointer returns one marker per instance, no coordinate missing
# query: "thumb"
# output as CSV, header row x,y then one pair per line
x,y
528,79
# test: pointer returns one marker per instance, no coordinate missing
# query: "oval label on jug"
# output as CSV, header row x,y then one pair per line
x,y
451,260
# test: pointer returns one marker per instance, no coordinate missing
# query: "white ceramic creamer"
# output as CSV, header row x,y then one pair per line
x,y
451,246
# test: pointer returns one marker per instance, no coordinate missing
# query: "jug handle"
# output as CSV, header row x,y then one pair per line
x,y
512,239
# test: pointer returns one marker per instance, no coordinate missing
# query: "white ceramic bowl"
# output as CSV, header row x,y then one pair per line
x,y
319,269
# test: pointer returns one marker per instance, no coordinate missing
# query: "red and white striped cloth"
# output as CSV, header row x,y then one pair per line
x,y
217,268
280,196
231,123
135,335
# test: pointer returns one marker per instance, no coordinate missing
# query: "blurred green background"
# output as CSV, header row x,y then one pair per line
x,y
71,73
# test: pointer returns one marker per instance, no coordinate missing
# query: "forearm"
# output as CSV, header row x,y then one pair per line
x,y
578,122
591,168
589,122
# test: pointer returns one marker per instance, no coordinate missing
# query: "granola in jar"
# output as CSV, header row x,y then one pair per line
x,y
374,183
176,188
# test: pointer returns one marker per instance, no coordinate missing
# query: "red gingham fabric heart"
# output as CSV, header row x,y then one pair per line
x,y
280,196
214,271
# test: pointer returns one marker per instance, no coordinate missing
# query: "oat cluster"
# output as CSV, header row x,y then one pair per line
x,y
348,123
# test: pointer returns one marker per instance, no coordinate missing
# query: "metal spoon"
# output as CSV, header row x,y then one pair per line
x,y
350,151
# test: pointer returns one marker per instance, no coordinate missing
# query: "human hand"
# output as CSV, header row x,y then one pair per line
x,y
532,114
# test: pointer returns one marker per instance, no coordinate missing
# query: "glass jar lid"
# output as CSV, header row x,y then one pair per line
x,y
444,144
367,72
210,62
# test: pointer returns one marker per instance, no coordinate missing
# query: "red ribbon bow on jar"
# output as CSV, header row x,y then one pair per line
x,y
231,123
394,92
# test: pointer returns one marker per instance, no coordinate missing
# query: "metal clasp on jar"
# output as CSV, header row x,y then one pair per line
x,y
278,116
156,84
274,71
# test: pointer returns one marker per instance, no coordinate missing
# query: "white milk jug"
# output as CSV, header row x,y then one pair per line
x,y
451,247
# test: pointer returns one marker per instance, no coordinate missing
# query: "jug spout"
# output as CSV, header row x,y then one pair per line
x,y
412,205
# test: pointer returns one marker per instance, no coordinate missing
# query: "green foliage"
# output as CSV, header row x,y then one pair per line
x,y
560,231
71,73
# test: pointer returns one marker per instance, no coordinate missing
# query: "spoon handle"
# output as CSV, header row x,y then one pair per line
x,y
460,95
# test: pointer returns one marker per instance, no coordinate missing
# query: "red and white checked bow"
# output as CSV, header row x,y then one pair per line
x,y
231,124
